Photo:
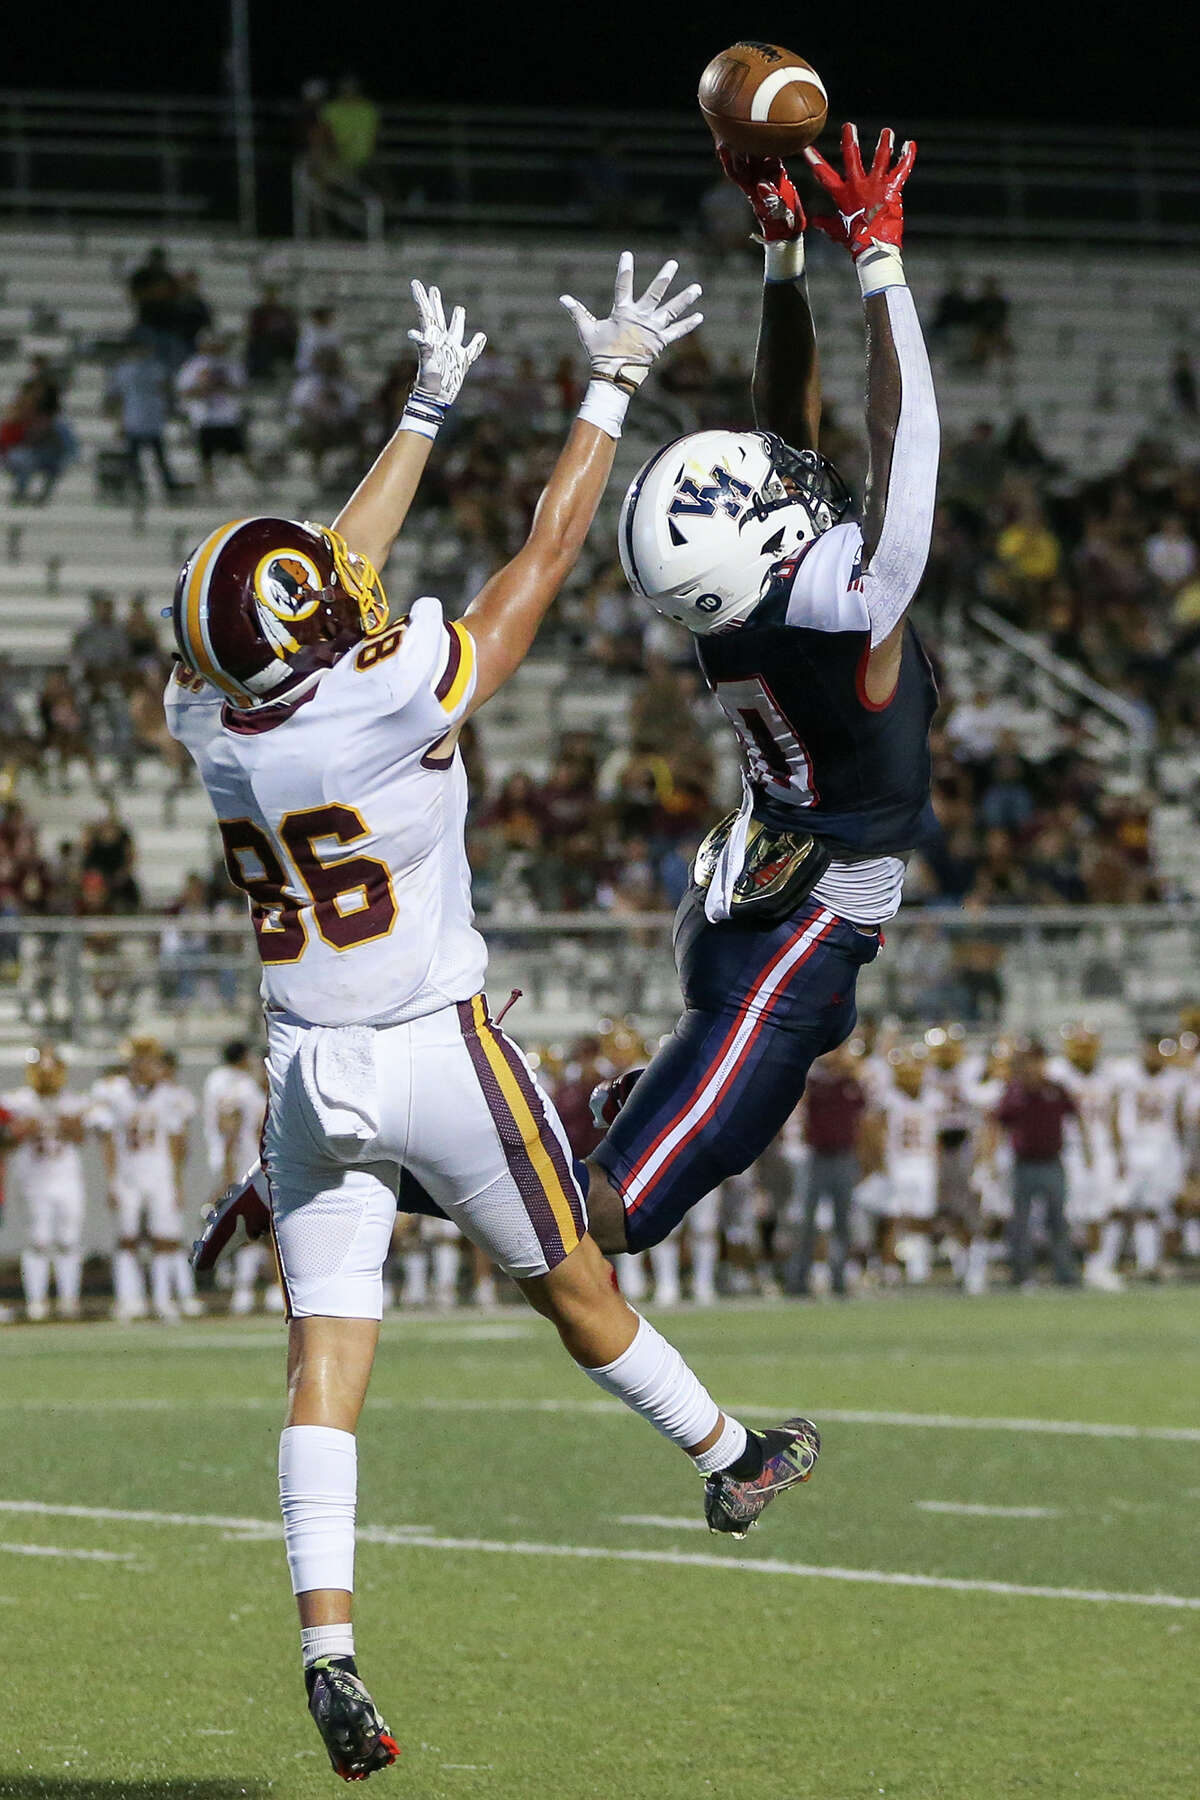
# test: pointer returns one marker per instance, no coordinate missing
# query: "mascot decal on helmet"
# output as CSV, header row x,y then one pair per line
x,y
263,607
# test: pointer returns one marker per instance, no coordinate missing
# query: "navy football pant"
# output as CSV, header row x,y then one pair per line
x,y
760,1005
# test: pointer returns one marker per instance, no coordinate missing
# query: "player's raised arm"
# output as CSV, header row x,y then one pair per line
x,y
902,421
372,518
787,373
505,616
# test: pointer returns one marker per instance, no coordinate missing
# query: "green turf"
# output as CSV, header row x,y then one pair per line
x,y
174,1672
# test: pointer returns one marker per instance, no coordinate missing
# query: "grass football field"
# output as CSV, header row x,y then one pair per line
x,y
991,1588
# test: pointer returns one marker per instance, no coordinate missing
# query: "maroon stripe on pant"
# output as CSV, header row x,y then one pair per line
x,y
512,1142
536,1104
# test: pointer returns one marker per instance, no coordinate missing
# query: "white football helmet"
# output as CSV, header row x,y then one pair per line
x,y
710,514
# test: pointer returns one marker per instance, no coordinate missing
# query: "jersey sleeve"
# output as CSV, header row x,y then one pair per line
x,y
424,669
193,710
827,593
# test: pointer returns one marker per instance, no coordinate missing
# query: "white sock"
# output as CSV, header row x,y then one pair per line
x,y
162,1281
317,1641
916,1253
416,1278
654,1381
1147,1244
68,1278
446,1258
485,1291
35,1277
664,1260
1111,1239
975,1273
726,1450
318,1492
1191,1237
705,1251
129,1287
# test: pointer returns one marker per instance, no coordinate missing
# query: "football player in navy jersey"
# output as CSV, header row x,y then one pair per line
x,y
800,617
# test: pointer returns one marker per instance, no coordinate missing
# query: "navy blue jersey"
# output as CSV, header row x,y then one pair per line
x,y
818,754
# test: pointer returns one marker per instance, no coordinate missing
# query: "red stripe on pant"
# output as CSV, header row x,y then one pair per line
x,y
715,1064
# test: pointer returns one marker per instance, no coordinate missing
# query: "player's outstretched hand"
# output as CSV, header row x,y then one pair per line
x,y
622,347
770,190
444,357
869,204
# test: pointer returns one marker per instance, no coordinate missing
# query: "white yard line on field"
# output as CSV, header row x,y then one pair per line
x,y
119,1556
1087,1428
968,1510
411,1538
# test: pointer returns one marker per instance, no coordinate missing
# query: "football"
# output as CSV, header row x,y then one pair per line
x,y
763,99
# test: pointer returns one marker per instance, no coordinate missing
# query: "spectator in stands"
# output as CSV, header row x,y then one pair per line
x,y
36,441
1024,452
64,734
1171,554
100,653
391,397
352,121
567,384
139,394
1027,551
974,468
954,318
324,412
1006,801
18,747
1184,389
154,291
141,634
211,386
109,853
991,336
272,331
193,314
184,950
615,623
318,333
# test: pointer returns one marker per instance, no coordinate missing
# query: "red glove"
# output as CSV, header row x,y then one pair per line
x,y
868,200
769,189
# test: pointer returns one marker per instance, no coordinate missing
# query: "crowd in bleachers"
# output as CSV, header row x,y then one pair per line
x,y
1104,571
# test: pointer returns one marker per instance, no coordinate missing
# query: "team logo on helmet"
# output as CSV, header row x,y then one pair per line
x,y
289,585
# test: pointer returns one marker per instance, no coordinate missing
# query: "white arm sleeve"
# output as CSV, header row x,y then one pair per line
x,y
891,576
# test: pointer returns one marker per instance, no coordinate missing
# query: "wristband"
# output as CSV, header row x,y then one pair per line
x,y
604,405
783,260
879,267
423,414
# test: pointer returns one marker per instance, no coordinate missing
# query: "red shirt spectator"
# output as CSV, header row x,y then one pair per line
x,y
1034,1109
833,1108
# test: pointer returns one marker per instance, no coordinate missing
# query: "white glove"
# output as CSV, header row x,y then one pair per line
x,y
444,360
623,346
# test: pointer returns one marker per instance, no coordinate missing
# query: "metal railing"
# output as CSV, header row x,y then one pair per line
x,y
90,980
178,158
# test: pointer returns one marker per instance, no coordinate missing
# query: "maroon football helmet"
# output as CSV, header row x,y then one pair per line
x,y
264,606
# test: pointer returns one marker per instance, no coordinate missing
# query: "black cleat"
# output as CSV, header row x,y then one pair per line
x,y
358,1741
244,1204
733,1506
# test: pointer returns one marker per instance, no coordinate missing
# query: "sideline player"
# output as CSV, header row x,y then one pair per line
x,y
1093,1184
341,796
46,1169
232,1108
142,1117
801,627
1151,1131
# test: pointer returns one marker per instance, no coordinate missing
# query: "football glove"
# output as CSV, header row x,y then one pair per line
x,y
622,347
770,190
444,357
870,210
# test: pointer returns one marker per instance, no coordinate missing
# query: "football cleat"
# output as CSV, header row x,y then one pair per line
x,y
608,1097
733,1506
245,1204
358,1741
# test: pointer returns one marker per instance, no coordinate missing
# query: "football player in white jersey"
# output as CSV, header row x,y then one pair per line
x,y
46,1170
959,1124
233,1105
986,1079
911,1110
326,735
1151,1128
142,1117
1092,1152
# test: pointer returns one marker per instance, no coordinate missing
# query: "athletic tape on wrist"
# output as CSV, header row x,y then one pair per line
x,y
423,414
783,260
604,405
878,268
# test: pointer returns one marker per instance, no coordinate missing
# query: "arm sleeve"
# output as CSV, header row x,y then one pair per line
x,y
890,577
